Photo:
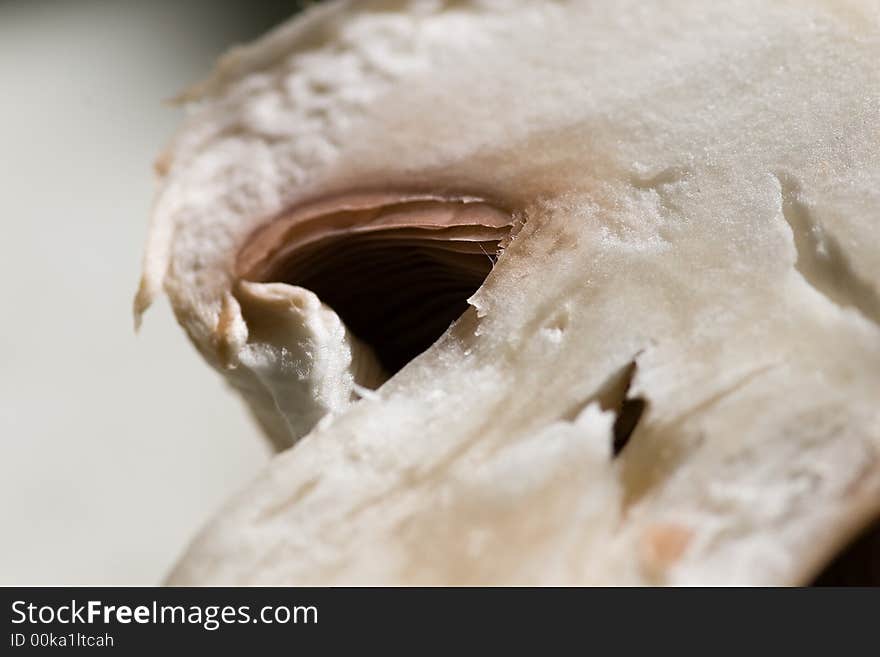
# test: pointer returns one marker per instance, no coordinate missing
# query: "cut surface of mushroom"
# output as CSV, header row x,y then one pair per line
x,y
670,376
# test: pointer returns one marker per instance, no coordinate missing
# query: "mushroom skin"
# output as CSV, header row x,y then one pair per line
x,y
693,193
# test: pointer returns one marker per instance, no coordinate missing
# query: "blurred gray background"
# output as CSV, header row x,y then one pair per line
x,y
114,447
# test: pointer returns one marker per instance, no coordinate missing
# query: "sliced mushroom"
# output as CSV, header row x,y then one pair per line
x,y
671,375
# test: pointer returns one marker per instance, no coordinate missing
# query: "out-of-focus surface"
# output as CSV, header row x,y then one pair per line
x,y
114,448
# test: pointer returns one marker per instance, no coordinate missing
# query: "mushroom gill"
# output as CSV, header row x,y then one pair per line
x,y
398,270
